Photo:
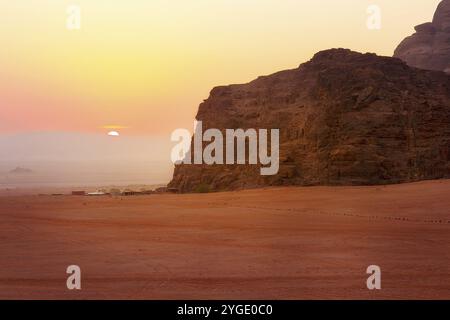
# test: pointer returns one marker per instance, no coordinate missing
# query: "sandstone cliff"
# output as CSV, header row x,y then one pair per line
x,y
429,47
345,118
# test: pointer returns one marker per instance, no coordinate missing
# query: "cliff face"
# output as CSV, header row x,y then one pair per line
x,y
345,118
429,47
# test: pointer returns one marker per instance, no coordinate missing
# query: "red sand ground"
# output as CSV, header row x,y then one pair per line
x,y
278,243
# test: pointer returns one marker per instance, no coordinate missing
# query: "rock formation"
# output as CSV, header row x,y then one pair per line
x,y
345,118
429,47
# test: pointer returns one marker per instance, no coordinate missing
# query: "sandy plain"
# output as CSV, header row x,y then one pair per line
x,y
274,243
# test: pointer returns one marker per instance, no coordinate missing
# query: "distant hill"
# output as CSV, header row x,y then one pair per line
x,y
20,170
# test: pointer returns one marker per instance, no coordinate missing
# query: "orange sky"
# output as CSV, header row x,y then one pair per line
x,y
146,65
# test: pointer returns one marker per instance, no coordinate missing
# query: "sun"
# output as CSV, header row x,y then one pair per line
x,y
112,129
113,134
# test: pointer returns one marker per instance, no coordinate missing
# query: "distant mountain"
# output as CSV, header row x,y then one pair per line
x,y
429,47
345,118
20,170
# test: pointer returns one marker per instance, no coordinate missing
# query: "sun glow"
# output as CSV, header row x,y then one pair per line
x,y
113,133
150,63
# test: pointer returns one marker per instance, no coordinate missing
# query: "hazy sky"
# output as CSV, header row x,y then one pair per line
x,y
147,64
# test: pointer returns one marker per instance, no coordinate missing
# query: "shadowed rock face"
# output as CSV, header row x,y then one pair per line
x,y
429,47
345,118
441,18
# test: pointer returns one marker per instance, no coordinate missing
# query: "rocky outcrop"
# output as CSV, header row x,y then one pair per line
x,y
345,118
429,47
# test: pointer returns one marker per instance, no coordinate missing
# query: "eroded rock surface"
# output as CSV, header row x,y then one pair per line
x,y
429,47
345,118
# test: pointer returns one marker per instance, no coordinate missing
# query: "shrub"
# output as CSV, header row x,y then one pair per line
x,y
202,188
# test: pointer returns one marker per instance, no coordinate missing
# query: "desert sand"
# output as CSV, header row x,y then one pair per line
x,y
273,243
